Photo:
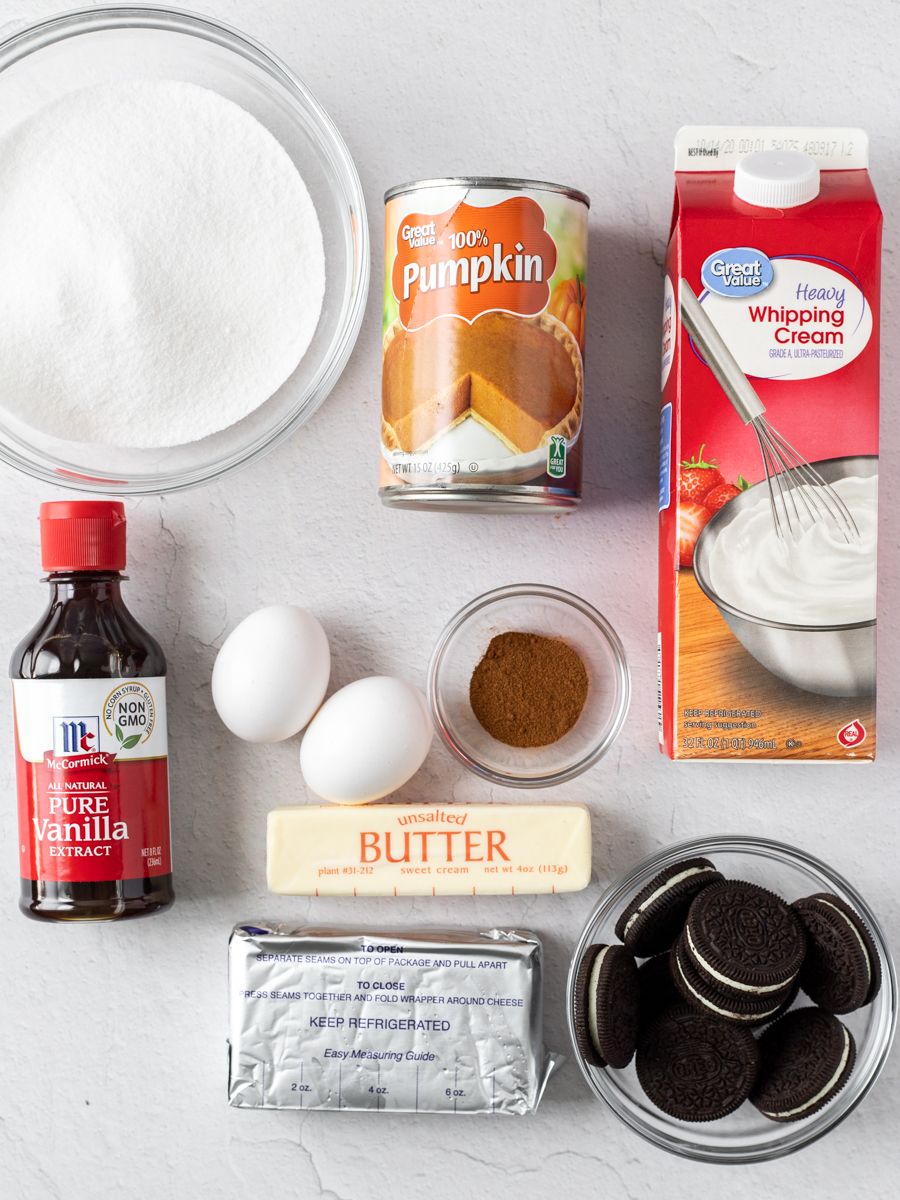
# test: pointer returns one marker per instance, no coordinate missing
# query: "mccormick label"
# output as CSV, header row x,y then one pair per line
x,y
484,319
767,637
92,779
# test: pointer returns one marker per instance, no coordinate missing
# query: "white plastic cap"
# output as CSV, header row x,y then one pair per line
x,y
777,179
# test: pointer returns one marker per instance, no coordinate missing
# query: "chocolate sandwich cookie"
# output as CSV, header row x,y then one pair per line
x,y
580,1004
744,940
841,971
656,988
717,1002
805,1059
655,917
695,1067
606,1006
788,1003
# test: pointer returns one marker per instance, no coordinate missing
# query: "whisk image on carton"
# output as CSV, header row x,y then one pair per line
x,y
768,447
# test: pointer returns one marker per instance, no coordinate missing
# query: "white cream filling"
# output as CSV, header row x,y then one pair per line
x,y
733,983
593,981
722,1012
857,935
661,891
793,1112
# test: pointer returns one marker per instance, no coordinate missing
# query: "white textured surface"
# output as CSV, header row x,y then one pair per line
x,y
112,1038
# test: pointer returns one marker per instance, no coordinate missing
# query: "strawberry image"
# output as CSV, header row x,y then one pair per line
x,y
691,519
697,477
720,495
702,491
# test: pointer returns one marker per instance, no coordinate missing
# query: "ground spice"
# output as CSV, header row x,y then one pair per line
x,y
528,690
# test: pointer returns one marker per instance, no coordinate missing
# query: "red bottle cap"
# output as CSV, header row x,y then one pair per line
x,y
83,535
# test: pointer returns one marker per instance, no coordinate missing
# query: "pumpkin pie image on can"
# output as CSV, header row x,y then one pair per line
x,y
483,370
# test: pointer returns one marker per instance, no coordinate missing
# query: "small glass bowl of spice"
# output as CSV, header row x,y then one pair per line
x,y
528,685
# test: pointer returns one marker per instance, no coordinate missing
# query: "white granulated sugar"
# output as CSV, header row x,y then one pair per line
x,y
161,265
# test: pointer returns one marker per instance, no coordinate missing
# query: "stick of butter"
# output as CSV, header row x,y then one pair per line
x,y
428,849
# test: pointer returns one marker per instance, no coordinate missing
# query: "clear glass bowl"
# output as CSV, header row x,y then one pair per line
x,y
745,1136
103,45
529,608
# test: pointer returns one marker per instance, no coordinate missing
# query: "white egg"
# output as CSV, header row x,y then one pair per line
x,y
366,740
272,673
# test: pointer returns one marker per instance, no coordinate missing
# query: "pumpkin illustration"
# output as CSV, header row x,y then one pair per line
x,y
567,303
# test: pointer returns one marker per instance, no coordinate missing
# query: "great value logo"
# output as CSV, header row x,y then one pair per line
x,y
739,271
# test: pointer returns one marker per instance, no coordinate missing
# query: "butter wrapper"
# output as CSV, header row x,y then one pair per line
x,y
386,1020
428,849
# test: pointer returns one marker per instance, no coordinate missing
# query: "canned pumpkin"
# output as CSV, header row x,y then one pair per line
x,y
483,368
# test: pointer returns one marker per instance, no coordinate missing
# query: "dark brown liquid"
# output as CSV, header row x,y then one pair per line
x,y
88,633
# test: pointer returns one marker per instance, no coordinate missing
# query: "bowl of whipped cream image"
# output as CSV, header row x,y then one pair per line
x,y
803,606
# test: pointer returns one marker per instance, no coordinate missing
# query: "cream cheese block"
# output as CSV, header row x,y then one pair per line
x,y
429,850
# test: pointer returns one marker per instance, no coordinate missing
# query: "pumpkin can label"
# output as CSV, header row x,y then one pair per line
x,y
484,327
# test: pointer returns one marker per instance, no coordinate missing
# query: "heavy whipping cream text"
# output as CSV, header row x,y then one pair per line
x,y
790,323
794,319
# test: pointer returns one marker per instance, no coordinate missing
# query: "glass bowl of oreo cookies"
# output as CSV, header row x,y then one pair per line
x,y
732,999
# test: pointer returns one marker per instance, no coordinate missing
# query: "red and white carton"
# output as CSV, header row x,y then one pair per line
x,y
770,358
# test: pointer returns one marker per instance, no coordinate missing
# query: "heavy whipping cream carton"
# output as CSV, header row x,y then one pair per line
x,y
769,447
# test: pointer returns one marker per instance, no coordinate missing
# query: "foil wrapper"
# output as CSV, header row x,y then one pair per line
x,y
395,1021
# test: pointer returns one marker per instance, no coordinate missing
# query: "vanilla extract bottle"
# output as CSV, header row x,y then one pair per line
x,y
89,694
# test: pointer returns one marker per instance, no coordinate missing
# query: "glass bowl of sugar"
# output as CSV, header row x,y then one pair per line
x,y
193,245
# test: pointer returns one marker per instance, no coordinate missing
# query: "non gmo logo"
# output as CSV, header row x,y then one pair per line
x,y
129,713
75,735
740,271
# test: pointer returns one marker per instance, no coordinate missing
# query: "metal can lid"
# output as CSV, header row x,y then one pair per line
x,y
488,181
